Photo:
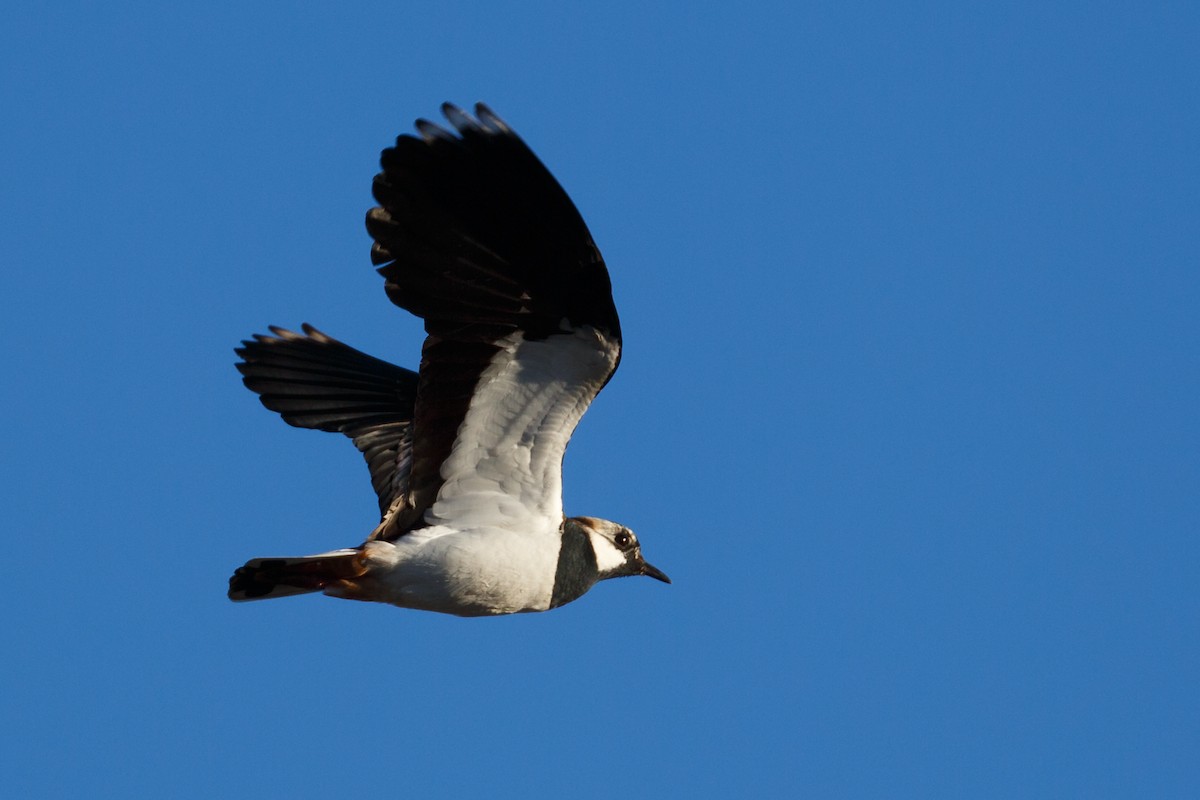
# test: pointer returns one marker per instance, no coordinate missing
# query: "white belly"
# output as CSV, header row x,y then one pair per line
x,y
468,573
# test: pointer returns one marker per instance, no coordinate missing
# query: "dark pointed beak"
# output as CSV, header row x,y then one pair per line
x,y
651,571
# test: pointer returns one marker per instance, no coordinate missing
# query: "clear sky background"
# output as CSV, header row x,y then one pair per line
x,y
908,408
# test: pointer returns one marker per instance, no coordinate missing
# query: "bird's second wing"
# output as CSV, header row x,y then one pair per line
x,y
314,381
477,238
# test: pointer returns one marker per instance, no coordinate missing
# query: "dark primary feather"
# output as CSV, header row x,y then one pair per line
x,y
474,231
315,381
475,236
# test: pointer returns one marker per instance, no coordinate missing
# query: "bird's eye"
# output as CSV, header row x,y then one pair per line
x,y
623,540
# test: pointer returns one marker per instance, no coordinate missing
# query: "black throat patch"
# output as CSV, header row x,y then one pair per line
x,y
577,571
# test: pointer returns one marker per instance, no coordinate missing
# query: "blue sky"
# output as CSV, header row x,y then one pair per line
x,y
908,406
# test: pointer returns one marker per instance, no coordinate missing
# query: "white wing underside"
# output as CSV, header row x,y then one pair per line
x,y
505,468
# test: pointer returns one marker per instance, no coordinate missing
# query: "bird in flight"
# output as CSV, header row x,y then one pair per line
x,y
473,235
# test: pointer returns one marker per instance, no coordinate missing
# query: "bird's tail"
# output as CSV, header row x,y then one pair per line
x,y
266,578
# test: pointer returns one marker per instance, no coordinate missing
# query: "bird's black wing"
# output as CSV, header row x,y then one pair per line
x,y
314,381
475,236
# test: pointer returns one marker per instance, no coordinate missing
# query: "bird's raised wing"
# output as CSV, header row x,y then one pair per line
x,y
477,238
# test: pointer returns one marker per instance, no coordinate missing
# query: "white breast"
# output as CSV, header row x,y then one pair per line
x,y
468,573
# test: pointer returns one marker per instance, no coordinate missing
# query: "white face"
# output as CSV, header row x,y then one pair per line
x,y
612,543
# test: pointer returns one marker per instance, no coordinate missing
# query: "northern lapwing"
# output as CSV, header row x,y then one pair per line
x,y
473,235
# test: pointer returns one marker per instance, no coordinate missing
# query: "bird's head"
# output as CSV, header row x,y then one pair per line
x,y
618,553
